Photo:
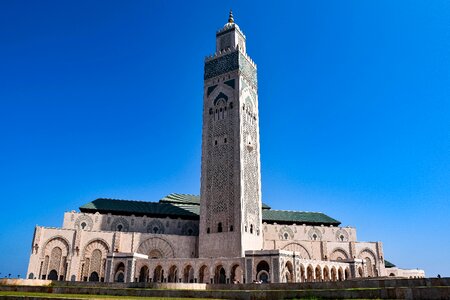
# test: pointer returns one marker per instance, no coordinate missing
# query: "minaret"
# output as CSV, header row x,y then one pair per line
x,y
230,197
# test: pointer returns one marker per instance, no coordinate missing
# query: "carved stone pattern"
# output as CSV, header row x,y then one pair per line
x,y
285,230
120,221
220,171
221,65
342,232
247,69
55,259
189,226
339,254
250,173
155,243
225,41
297,248
155,224
96,262
55,242
315,231
85,219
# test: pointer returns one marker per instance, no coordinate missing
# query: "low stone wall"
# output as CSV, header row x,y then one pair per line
x,y
27,282
430,288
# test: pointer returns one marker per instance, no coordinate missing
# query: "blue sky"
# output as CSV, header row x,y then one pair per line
x,y
104,99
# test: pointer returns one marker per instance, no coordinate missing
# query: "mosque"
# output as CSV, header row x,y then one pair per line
x,y
225,235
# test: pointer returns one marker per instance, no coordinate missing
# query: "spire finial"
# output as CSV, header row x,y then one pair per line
x,y
230,18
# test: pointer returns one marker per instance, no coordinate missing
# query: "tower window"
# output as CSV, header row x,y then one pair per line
x,y
83,225
119,227
251,229
225,140
231,228
210,111
208,230
215,142
231,105
219,227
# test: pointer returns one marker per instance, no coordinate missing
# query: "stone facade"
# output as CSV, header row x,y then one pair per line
x,y
224,236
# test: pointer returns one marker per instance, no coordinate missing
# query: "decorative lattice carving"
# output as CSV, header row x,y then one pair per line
x,y
285,233
315,234
342,235
156,227
159,245
221,65
339,254
55,259
84,222
59,242
189,228
120,224
303,253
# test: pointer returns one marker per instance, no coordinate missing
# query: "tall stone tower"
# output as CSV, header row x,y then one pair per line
x,y
230,197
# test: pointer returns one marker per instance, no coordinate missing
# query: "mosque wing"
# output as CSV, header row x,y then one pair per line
x,y
298,217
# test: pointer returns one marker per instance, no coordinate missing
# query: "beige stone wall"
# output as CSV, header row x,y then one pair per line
x,y
73,254
108,222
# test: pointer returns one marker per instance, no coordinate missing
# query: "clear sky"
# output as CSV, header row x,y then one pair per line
x,y
104,99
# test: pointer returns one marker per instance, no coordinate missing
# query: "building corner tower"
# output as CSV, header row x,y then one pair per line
x,y
230,196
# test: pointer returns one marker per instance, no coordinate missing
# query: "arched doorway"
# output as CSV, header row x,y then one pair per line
x,y
302,273
143,274
158,274
326,274
119,275
53,275
289,272
318,274
263,271
340,274
220,275
203,274
188,274
173,274
347,273
310,274
237,274
94,277
333,274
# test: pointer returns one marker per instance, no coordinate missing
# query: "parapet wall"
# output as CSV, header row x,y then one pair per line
x,y
426,288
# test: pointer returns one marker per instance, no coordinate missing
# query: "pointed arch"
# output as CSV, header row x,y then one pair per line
x,y
339,254
296,247
157,245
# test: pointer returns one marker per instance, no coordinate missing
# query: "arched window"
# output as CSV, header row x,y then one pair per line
x,y
208,230
83,225
119,227
251,228
231,228
219,227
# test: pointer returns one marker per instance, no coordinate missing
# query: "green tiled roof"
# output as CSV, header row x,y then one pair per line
x,y
388,264
190,199
181,198
298,217
138,208
187,206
